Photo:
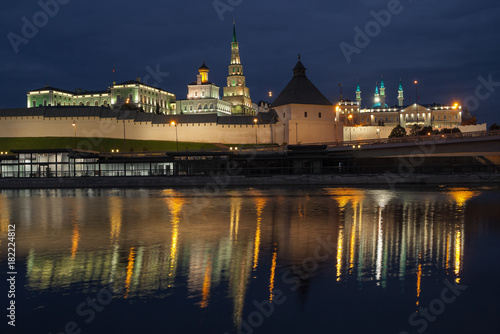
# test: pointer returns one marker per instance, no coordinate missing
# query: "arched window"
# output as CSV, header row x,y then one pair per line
x,y
212,106
105,102
80,104
199,106
206,106
88,103
96,103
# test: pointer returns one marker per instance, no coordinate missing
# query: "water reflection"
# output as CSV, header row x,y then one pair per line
x,y
147,243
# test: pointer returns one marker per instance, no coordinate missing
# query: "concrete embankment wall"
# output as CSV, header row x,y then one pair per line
x,y
209,185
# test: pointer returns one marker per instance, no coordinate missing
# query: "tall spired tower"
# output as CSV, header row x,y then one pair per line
x,y
236,90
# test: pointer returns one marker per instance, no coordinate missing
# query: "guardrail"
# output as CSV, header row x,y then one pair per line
x,y
413,139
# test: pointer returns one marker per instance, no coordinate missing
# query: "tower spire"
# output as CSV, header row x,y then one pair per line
x,y
400,94
234,31
358,94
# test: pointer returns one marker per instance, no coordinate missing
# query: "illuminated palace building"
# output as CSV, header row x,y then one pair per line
x,y
380,113
202,97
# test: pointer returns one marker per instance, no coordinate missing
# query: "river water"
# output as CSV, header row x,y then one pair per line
x,y
287,260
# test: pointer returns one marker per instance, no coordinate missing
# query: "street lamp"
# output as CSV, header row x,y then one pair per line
x,y
176,138
416,92
255,122
74,125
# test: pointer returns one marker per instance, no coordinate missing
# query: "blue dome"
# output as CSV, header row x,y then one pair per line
x,y
378,105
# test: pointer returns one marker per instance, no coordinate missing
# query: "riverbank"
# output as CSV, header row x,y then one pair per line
x,y
211,183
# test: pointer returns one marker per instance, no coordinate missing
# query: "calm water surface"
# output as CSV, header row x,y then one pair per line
x,y
331,260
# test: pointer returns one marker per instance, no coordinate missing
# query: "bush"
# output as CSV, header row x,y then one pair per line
x,y
397,132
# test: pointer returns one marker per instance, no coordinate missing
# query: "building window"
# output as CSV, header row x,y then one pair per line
x,y
80,104
96,103
195,94
203,93
45,103
105,102
33,104
444,117
305,113
234,83
88,103
118,98
439,117
212,106
319,115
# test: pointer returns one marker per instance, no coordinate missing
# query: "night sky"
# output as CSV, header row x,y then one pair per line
x,y
446,45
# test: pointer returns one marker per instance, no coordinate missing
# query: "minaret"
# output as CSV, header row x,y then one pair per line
x,y
382,93
358,95
400,94
376,96
236,91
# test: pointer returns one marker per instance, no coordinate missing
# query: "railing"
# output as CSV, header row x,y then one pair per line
x,y
414,139
275,170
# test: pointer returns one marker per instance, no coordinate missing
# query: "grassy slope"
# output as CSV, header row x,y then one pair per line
x,y
96,144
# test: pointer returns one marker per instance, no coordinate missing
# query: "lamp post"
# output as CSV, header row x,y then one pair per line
x,y
416,92
124,135
74,125
255,122
176,138
350,126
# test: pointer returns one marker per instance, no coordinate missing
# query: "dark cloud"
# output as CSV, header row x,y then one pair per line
x,y
446,45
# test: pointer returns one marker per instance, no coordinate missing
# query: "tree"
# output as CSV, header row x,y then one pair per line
x,y
397,132
425,131
494,127
415,129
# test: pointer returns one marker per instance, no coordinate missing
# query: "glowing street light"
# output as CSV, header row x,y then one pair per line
x,y
176,138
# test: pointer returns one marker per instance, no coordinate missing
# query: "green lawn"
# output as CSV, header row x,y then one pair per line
x,y
96,144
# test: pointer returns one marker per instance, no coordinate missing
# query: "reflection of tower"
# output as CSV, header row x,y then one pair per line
x,y
236,90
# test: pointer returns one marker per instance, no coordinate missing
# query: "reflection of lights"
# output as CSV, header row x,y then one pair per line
x,y
462,195
261,202
380,246
353,239
458,255
115,206
273,271
130,271
206,284
74,240
4,215
235,218
419,281
340,241
345,195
